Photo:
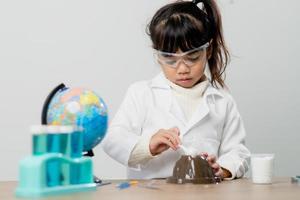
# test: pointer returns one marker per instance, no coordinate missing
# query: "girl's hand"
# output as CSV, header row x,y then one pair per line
x,y
218,170
163,140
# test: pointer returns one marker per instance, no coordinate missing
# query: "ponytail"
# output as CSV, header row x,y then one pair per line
x,y
219,54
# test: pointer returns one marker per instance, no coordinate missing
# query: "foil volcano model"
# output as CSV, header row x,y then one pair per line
x,y
189,169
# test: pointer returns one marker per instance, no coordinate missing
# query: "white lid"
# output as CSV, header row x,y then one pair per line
x,y
53,129
79,128
36,129
66,129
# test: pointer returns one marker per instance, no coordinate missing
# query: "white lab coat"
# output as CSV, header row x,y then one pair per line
x,y
216,127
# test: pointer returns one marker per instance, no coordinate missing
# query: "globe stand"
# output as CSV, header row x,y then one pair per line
x,y
89,153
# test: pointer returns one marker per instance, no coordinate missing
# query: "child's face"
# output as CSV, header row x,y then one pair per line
x,y
185,74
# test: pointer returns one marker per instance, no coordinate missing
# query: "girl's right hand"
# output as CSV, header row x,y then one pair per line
x,y
163,140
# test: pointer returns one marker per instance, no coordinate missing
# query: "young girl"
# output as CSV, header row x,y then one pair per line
x,y
183,105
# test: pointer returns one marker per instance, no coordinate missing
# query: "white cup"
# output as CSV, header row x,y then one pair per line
x,y
262,168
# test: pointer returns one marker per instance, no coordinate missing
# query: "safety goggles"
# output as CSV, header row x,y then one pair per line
x,y
189,58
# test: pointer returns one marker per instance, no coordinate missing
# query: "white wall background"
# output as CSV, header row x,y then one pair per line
x,y
102,45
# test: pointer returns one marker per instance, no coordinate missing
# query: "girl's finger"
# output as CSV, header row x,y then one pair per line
x,y
168,142
175,136
211,159
219,173
171,138
215,166
176,130
204,154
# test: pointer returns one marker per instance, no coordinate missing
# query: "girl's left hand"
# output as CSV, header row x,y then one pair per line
x,y
218,170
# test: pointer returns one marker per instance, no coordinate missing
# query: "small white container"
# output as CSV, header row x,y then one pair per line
x,y
262,167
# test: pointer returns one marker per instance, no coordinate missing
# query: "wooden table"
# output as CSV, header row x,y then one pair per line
x,y
240,189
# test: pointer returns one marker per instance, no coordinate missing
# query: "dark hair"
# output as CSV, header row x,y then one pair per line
x,y
183,25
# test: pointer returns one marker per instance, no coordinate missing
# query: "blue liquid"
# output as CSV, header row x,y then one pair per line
x,y
76,144
39,144
56,143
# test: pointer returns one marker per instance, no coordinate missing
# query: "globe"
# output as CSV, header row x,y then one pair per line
x,y
83,108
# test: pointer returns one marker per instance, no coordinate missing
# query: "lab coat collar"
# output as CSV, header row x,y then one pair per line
x,y
160,82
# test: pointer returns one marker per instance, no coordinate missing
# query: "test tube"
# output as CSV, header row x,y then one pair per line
x,y
53,165
77,143
66,168
39,139
76,148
